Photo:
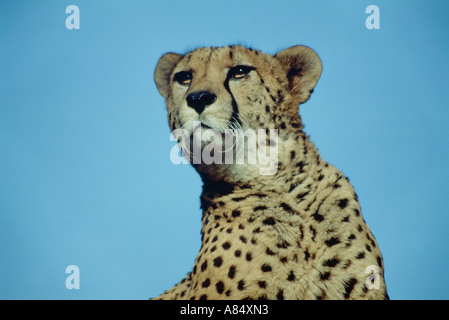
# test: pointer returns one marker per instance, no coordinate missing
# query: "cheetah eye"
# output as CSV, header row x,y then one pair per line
x,y
239,72
183,77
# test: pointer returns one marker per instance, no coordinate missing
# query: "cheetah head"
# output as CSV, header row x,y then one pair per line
x,y
220,89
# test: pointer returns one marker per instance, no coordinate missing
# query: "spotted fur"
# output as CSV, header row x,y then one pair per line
x,y
297,234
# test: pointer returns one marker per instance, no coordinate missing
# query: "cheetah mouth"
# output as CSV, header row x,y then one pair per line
x,y
201,125
206,134
202,144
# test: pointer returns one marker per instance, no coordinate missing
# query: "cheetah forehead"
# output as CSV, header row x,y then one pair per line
x,y
226,57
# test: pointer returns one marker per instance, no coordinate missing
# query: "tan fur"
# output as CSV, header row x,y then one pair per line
x,y
297,234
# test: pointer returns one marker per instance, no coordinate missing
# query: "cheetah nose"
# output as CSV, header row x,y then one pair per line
x,y
200,100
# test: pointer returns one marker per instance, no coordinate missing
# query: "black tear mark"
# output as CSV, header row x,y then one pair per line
x,y
235,107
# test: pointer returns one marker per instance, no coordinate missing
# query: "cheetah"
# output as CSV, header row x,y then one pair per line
x,y
294,233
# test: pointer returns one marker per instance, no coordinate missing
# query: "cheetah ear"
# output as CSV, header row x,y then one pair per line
x,y
164,68
303,68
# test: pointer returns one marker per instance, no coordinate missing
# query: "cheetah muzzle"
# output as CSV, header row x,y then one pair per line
x,y
295,233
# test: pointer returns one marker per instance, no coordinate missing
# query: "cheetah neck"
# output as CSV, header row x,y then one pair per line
x,y
298,160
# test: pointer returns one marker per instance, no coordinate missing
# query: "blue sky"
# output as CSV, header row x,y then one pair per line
x,y
85,172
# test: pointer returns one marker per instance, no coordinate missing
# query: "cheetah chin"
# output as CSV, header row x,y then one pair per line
x,y
296,232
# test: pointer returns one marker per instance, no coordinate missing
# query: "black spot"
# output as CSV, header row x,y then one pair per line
x,y
361,255
332,241
357,212
280,295
283,244
220,287
231,272
318,217
260,195
236,213
312,229
325,276
321,176
292,187
203,297
258,208
345,219
238,253
280,96
379,261
331,262
243,239
241,285
269,252
206,283
237,199
249,256
306,255
286,207
218,261
269,221
214,238
292,154
322,295
262,284
283,259
283,125
267,108
291,276
266,268
204,266
226,245
368,248
343,203
302,195
349,286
